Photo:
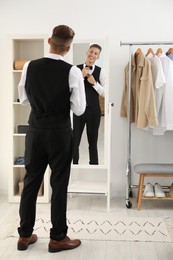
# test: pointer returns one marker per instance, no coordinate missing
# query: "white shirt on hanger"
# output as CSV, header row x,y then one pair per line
x,y
166,115
159,84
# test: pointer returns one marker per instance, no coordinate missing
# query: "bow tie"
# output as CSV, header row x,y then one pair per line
x,y
90,67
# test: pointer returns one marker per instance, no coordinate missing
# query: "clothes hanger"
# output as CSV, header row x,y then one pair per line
x,y
150,50
170,51
159,51
138,51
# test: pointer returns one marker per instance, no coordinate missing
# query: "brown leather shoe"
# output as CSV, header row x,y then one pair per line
x,y
24,242
65,244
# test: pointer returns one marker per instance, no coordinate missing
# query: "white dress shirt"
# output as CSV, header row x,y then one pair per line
x,y
167,102
76,85
159,85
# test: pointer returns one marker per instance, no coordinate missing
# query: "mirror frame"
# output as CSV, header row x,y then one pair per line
x,y
105,60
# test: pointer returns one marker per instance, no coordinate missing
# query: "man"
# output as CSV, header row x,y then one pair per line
x,y
94,80
52,87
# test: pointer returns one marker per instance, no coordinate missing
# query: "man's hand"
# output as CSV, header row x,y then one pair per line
x,y
91,79
85,72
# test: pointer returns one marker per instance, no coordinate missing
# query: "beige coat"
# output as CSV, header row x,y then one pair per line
x,y
143,110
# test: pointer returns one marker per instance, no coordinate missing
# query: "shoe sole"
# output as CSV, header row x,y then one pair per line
x,y
51,250
148,195
21,247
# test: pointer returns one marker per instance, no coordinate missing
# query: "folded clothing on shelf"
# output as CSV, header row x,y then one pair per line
x,y
22,129
20,161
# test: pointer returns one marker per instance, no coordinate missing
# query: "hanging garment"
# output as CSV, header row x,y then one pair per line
x,y
170,55
159,84
166,115
143,110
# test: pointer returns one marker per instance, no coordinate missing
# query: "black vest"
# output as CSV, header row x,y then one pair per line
x,y
92,97
48,92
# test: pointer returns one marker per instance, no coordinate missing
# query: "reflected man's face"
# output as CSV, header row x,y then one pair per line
x,y
92,55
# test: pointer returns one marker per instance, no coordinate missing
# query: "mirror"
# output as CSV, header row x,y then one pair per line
x,y
77,56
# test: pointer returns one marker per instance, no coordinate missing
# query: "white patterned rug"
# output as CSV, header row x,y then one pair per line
x,y
109,228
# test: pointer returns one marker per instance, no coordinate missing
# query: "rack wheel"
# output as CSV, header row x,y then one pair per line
x,y
130,194
128,204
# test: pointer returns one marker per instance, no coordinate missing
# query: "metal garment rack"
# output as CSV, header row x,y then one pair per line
x,y
129,186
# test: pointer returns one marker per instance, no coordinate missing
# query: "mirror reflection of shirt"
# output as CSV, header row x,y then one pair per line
x,y
99,87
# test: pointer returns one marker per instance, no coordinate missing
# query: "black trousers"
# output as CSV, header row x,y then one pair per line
x,y
44,147
90,118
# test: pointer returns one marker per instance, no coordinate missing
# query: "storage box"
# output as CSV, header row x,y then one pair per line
x,y
22,129
40,192
18,64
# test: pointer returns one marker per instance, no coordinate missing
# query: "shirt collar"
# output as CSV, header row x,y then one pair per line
x,y
138,60
55,56
162,55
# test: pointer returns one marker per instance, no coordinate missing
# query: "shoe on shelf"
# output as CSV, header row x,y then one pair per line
x,y
149,190
65,244
24,242
159,193
171,191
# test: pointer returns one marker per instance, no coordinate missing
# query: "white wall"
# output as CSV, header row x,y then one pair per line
x,y
123,20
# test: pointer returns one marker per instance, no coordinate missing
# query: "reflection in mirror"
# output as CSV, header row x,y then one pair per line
x,y
83,149
79,57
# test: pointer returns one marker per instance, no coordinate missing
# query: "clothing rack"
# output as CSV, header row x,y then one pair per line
x,y
129,186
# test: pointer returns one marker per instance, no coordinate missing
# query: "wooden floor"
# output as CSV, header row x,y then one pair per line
x,y
90,250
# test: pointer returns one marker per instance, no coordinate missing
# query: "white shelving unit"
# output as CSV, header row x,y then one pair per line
x,y
23,48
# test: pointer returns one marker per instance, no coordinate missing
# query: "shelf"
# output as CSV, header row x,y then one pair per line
x,y
18,166
17,71
89,167
87,187
165,173
18,176
156,198
23,47
16,103
18,135
40,199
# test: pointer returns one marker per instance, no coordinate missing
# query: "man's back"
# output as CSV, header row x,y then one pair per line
x,y
48,92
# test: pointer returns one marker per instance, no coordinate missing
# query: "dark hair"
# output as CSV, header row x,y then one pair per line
x,y
62,36
95,45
